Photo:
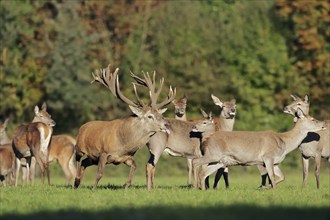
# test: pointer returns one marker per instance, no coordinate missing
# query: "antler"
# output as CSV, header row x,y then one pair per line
x,y
151,85
111,81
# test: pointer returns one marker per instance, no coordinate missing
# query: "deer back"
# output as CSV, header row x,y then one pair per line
x,y
61,146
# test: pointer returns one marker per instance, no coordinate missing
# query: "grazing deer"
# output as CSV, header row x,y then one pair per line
x,y
248,148
117,141
62,150
316,145
7,163
31,141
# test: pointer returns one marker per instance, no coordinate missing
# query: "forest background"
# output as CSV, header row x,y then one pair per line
x,y
256,51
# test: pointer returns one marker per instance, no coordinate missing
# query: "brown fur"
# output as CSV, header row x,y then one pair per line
x,y
27,143
62,149
7,163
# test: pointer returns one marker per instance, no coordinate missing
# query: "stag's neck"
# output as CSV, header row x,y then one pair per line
x,y
181,118
136,133
226,124
4,139
293,138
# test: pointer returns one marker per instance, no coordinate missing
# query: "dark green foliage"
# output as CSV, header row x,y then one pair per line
x,y
247,50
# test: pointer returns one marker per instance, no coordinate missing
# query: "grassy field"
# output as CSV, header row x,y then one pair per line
x,y
172,199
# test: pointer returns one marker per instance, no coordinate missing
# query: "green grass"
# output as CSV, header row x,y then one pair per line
x,y
172,199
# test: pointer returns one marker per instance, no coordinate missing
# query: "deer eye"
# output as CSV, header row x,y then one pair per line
x,y
150,117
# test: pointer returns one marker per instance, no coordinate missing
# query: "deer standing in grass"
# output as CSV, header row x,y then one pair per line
x,y
8,163
316,145
180,142
117,141
62,150
31,141
248,148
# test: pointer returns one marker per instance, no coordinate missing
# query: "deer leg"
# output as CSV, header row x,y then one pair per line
x,y
206,171
305,162
226,177
218,177
32,169
279,173
317,170
189,170
64,162
85,163
270,170
100,168
264,175
25,170
151,169
196,163
18,166
130,162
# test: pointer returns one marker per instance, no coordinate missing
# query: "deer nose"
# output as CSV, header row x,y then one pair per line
x,y
233,110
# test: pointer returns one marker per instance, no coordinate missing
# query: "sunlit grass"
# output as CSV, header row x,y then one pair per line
x,y
172,198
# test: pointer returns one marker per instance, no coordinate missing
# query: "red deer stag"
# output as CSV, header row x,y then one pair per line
x,y
117,141
31,141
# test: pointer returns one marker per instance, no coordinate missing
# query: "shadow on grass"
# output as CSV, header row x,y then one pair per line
x,y
183,213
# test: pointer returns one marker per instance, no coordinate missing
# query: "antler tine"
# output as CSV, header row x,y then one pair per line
x,y
150,84
137,95
169,99
122,97
105,77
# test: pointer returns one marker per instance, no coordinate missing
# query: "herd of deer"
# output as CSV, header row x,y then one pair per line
x,y
209,143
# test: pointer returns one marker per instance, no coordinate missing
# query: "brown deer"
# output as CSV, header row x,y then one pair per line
x,y
248,148
62,150
316,145
180,142
225,122
7,164
117,141
32,140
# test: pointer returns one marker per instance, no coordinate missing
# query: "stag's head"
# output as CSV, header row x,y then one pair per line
x,y
297,103
180,106
207,125
43,116
228,107
150,114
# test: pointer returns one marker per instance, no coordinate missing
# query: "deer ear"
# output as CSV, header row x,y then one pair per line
x,y
161,111
204,113
294,97
6,122
216,100
300,113
44,106
137,111
36,109
184,100
306,99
